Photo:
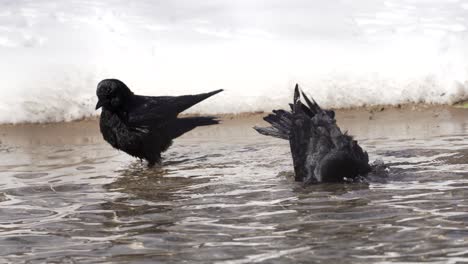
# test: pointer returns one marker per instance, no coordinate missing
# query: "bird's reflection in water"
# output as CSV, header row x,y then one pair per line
x,y
158,184
149,196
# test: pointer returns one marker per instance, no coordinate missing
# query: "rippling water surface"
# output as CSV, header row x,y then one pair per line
x,y
225,195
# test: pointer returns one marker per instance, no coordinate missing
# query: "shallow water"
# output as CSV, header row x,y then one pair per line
x,y
225,195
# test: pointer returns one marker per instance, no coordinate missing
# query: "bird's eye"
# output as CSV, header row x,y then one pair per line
x,y
110,94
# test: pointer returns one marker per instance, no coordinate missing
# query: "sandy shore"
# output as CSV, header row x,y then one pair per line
x,y
417,121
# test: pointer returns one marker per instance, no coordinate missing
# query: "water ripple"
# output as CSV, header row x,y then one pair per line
x,y
87,204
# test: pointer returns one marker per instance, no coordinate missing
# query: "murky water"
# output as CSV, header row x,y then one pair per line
x,y
225,195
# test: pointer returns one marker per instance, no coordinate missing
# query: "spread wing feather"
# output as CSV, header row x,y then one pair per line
x,y
313,134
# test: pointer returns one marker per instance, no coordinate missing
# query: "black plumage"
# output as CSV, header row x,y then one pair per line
x,y
320,151
144,126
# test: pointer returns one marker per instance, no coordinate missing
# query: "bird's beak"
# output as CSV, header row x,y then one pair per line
x,y
100,104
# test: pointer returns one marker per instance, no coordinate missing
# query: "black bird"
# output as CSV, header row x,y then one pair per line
x,y
320,151
144,126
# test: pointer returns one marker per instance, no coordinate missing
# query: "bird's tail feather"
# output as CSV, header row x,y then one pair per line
x,y
187,101
200,97
181,126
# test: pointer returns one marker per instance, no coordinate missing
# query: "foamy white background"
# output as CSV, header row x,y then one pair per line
x,y
343,52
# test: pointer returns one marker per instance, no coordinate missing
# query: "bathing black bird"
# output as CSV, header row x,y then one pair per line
x,y
320,151
144,126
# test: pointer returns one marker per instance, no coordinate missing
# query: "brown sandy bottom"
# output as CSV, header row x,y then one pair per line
x,y
224,194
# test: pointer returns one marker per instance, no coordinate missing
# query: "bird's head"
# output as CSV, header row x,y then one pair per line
x,y
112,94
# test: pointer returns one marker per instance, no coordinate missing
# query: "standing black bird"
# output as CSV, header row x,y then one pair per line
x,y
144,126
320,151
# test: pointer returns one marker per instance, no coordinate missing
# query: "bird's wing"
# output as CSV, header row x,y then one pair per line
x,y
314,134
280,121
152,110
310,136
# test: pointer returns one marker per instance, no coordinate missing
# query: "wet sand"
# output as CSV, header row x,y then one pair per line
x,y
224,195
375,122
